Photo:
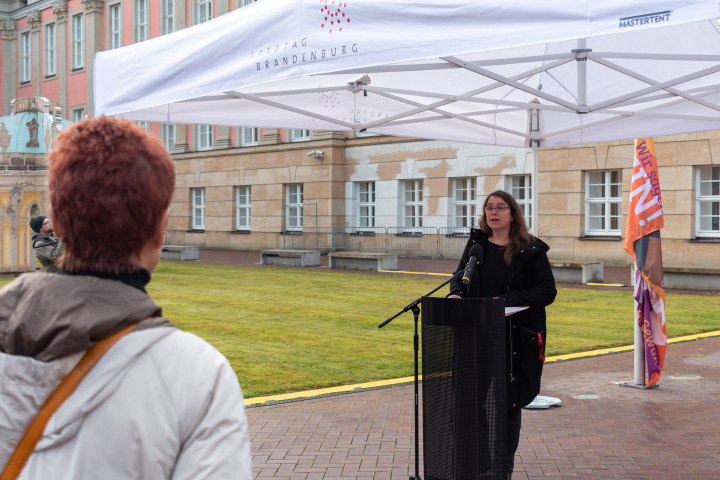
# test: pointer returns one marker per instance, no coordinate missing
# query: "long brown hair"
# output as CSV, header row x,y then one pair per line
x,y
519,236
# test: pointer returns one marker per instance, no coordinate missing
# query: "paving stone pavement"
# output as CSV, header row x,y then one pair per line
x,y
670,432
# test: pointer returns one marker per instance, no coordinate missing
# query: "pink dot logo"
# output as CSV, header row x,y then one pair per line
x,y
333,15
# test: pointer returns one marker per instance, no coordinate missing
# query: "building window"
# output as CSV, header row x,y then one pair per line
x,y
707,210
141,20
167,132
168,16
294,207
244,3
603,201
464,200
198,208
25,58
250,136
301,135
366,204
77,39
77,114
204,10
412,203
115,19
242,208
204,137
521,189
50,50
144,125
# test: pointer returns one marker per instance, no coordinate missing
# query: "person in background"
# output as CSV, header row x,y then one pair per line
x,y
161,403
515,268
48,247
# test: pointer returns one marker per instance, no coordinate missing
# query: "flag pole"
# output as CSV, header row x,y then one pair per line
x,y
642,242
639,379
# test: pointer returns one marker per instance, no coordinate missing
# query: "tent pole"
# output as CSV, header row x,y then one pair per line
x,y
582,72
534,128
534,186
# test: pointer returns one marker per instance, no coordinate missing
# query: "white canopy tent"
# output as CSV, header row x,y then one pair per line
x,y
515,73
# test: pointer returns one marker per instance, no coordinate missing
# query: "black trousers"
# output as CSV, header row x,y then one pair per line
x,y
514,417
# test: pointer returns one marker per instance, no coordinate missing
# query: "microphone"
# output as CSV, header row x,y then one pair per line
x,y
475,253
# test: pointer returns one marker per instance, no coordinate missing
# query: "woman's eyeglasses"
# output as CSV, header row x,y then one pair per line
x,y
499,208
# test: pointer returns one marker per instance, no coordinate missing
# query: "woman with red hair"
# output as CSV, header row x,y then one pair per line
x,y
161,403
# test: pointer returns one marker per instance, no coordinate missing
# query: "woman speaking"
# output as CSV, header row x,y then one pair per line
x,y
514,267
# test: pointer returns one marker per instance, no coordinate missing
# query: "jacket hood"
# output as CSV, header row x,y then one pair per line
x,y
541,245
47,321
37,236
537,243
48,316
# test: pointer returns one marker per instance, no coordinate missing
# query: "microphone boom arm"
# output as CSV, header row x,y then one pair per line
x,y
415,303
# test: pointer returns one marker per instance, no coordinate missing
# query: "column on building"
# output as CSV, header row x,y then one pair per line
x,y
35,22
222,139
61,14
223,7
9,67
181,130
270,136
94,44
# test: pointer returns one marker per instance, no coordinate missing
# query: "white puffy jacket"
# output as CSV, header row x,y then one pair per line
x,y
161,403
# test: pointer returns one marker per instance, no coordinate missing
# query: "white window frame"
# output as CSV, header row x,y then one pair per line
x,y
412,202
204,11
520,187
365,200
198,208
294,198
243,207
168,16
167,133
144,125
245,3
601,204
25,57
77,40
300,135
115,39
464,202
77,114
50,50
142,22
707,202
249,136
205,135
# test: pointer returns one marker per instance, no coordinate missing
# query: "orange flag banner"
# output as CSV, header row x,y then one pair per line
x,y
642,242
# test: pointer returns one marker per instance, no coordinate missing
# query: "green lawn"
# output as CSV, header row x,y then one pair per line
x,y
287,330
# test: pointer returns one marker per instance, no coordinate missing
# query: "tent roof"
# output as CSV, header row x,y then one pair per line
x,y
561,72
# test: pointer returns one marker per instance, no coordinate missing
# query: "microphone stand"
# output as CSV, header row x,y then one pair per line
x,y
416,346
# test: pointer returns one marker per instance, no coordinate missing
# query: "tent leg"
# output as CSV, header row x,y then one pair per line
x,y
534,229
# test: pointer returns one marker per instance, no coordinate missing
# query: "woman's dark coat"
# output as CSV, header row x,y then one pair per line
x,y
529,282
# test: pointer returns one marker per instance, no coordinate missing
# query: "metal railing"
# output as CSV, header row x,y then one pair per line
x,y
428,242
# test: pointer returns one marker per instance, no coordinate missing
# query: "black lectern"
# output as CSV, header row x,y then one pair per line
x,y
463,386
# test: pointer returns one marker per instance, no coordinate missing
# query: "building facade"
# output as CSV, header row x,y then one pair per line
x,y
247,188
25,140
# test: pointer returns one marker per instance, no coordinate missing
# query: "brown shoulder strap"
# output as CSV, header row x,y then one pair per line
x,y
64,390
